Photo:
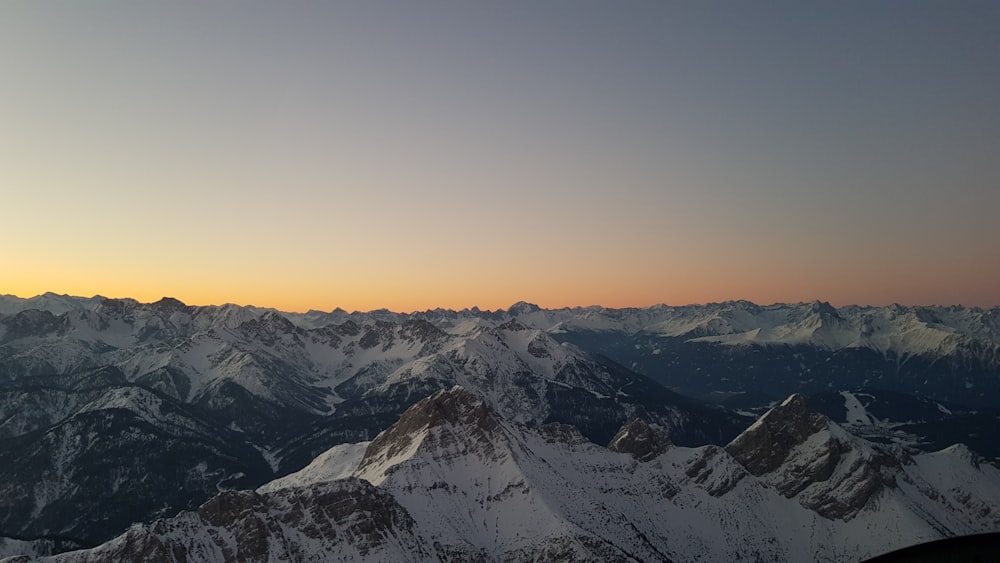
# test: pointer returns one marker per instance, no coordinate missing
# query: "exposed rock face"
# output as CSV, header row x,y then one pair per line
x,y
638,438
714,471
169,305
335,521
455,406
803,455
556,432
764,446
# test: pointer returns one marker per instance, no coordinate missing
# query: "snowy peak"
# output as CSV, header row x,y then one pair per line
x,y
806,456
642,441
51,302
453,407
268,327
117,307
169,305
763,447
523,308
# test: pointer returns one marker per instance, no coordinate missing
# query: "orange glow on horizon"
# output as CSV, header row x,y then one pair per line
x,y
450,298
353,158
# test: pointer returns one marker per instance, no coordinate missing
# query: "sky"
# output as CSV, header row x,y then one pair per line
x,y
418,154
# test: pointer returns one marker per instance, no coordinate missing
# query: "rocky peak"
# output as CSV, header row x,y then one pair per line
x,y
168,305
823,307
805,455
348,328
455,407
420,329
117,307
31,322
268,327
765,445
523,308
381,332
638,438
741,305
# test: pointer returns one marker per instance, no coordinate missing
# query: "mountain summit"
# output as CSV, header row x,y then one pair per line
x,y
804,455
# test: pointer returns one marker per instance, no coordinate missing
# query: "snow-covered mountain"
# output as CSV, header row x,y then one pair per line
x,y
454,480
97,398
121,454
716,350
51,302
98,394
896,329
213,356
947,353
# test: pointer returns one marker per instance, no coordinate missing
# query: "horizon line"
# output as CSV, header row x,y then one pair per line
x,y
501,309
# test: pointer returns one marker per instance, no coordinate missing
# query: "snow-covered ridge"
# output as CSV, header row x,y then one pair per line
x,y
315,361
455,480
190,353
899,329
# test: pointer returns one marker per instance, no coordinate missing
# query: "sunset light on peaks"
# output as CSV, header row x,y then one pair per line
x,y
411,156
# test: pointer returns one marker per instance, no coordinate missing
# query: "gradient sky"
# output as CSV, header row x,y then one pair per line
x,y
417,154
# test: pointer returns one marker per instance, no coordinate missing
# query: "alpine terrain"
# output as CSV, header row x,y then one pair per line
x,y
453,480
174,432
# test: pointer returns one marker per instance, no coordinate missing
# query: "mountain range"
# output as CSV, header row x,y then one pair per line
x,y
453,480
115,411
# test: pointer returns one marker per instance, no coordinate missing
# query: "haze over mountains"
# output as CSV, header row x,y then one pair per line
x,y
115,412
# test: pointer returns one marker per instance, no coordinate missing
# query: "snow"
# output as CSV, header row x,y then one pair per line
x,y
507,491
904,332
518,490
790,399
209,345
856,412
521,489
336,463
10,547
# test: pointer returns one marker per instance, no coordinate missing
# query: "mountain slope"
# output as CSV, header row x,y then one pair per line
x,y
238,395
125,456
454,480
949,354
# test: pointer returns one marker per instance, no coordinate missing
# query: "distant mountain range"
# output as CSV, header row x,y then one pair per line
x,y
114,411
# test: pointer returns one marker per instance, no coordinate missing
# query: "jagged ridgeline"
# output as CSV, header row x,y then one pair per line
x,y
114,411
454,480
